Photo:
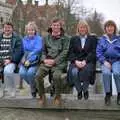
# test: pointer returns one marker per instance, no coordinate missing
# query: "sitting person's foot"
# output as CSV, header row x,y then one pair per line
x,y
79,95
86,95
42,100
108,99
57,100
34,94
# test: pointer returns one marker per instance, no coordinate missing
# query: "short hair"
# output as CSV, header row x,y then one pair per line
x,y
112,23
54,20
31,24
8,23
82,22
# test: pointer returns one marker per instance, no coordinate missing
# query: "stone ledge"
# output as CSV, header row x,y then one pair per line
x,y
68,103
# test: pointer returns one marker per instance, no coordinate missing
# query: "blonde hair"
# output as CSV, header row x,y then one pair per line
x,y
31,24
82,22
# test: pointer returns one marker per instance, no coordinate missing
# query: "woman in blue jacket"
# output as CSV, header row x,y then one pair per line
x,y
108,53
32,45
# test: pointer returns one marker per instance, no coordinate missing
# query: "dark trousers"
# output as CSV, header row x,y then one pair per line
x,y
81,77
44,71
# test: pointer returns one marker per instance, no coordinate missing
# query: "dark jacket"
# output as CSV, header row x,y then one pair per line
x,y
88,53
16,48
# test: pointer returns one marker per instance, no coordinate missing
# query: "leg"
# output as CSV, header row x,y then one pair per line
x,y
58,85
39,79
76,81
107,78
85,75
9,78
23,73
31,78
116,74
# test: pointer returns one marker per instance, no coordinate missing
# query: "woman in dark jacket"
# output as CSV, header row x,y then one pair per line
x,y
82,57
108,53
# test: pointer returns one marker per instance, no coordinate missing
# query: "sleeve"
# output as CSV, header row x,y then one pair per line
x,y
17,49
64,53
100,51
71,55
44,51
92,54
34,55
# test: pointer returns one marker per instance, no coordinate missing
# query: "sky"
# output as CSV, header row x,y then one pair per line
x,y
109,8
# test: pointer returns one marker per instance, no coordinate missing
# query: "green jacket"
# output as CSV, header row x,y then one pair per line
x,y
56,49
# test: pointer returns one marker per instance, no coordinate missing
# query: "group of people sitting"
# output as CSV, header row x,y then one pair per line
x,y
36,56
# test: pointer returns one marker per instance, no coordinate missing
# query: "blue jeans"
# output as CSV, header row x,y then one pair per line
x,y
28,74
107,76
9,79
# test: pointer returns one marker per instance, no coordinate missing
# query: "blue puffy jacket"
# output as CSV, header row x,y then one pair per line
x,y
108,50
33,46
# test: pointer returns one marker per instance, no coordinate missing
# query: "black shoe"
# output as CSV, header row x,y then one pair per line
x,y
79,95
118,99
34,95
86,95
108,99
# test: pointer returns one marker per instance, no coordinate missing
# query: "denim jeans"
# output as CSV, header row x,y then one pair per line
x,y
107,76
9,79
28,74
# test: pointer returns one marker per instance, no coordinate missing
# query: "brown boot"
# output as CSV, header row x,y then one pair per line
x,y
42,100
57,100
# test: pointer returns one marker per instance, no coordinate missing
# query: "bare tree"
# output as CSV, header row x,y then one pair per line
x,y
95,21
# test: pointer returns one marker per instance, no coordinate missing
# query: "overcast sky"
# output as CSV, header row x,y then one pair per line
x,y
109,8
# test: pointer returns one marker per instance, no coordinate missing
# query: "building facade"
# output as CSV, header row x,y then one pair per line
x,y
6,11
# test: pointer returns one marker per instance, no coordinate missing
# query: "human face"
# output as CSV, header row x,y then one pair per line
x,y
7,29
30,32
56,27
110,29
83,30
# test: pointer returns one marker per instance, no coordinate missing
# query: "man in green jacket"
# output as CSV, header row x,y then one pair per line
x,y
54,58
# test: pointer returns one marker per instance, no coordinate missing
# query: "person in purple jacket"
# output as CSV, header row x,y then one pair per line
x,y
108,54
32,47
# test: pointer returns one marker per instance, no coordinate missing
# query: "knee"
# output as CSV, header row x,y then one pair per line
x,y
106,73
57,75
31,73
38,76
116,73
8,71
22,73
